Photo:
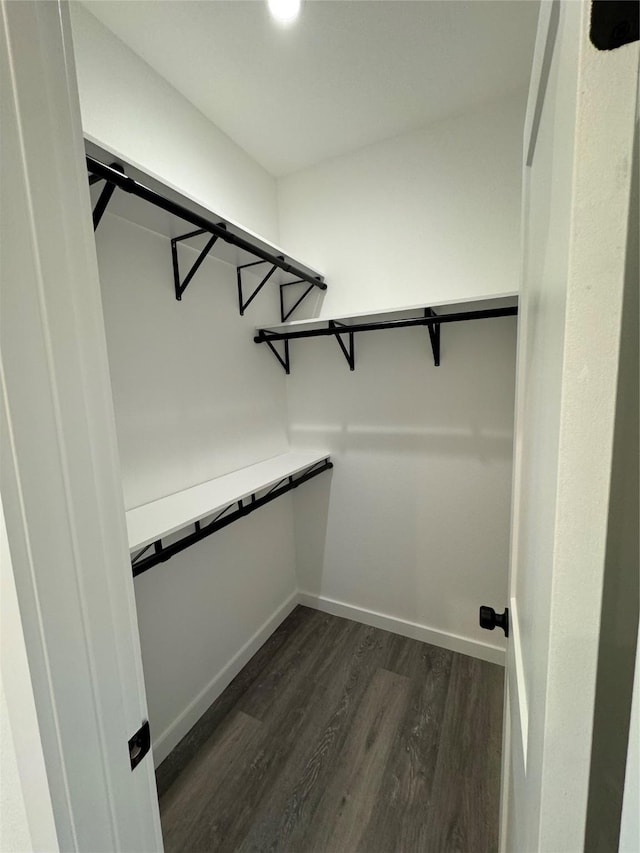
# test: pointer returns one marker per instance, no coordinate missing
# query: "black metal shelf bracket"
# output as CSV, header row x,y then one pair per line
x,y
179,286
434,336
348,352
284,359
105,196
162,553
115,177
338,330
243,305
286,313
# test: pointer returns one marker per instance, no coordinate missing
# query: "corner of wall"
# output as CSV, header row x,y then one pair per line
x,y
130,109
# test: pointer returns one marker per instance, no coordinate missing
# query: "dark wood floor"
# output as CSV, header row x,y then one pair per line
x,y
338,738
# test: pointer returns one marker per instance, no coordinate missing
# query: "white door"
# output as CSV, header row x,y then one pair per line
x,y
577,171
59,474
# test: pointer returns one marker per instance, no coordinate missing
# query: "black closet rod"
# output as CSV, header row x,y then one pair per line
x,y
265,335
124,182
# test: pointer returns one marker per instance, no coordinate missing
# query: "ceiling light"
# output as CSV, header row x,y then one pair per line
x,y
284,11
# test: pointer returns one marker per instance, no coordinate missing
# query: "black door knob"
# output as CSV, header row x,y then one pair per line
x,y
489,619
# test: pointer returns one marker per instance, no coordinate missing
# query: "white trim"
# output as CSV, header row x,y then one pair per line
x,y
522,706
30,786
59,477
442,639
630,820
176,730
505,776
545,41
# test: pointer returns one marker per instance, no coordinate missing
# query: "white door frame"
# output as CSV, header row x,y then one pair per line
x,y
59,472
571,309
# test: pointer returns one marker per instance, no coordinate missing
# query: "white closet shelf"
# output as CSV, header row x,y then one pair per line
x,y
149,523
347,326
145,200
498,300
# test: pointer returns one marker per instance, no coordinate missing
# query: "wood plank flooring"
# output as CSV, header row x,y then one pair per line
x,y
341,738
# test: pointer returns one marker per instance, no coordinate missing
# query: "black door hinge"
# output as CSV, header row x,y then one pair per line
x,y
139,744
614,23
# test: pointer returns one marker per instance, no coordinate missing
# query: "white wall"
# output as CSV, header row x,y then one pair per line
x,y
132,111
194,398
417,524
432,214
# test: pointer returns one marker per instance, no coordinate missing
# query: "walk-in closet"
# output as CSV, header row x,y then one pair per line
x,y
298,437
295,430
309,238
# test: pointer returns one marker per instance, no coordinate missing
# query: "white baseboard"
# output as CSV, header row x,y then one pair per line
x,y
173,734
443,639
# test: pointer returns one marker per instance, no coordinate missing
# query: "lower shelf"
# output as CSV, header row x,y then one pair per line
x,y
220,501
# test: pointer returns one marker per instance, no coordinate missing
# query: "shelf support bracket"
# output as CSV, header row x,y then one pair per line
x,y
284,358
105,196
242,304
285,314
245,242
180,287
434,336
348,352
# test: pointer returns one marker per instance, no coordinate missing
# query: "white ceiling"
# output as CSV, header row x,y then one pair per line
x,y
346,74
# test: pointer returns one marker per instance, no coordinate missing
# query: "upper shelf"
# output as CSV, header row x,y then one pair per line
x,y
151,522
146,201
344,327
499,300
